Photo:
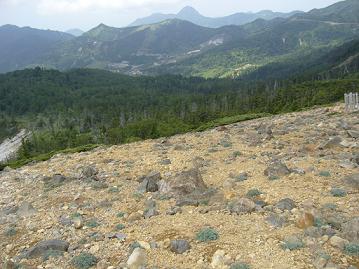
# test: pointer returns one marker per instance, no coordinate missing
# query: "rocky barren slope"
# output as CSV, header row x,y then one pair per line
x,y
279,192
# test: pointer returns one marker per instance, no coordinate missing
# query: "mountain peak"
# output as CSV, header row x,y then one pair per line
x,y
188,11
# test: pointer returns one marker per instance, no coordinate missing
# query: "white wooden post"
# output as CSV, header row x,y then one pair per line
x,y
351,101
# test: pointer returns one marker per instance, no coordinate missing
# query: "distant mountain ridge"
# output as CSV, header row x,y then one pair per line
x,y
181,47
23,46
192,15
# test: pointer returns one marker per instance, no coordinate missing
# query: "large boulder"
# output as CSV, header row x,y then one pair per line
x,y
55,181
277,169
331,143
137,259
285,204
242,206
184,183
26,210
350,230
188,188
352,180
179,246
353,133
149,183
151,209
44,246
89,173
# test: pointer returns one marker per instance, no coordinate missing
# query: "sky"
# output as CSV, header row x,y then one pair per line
x,y
85,14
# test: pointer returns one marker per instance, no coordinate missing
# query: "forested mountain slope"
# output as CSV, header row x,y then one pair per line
x,y
20,47
181,47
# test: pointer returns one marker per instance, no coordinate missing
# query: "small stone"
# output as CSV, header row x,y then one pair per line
x,y
137,259
305,221
352,180
286,204
174,210
89,172
276,220
165,162
218,260
8,265
151,209
242,205
78,223
350,229
353,133
320,262
332,143
149,183
338,242
26,210
179,246
277,169
103,264
229,184
134,217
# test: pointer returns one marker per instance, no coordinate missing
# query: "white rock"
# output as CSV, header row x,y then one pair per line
x,y
137,259
219,260
144,245
94,249
338,242
78,223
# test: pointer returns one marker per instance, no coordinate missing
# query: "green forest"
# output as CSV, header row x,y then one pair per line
x,y
85,107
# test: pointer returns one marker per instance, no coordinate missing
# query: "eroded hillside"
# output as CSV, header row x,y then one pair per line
x,y
279,192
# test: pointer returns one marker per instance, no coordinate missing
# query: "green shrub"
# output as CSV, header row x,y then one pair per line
x,y
318,222
236,154
352,249
84,261
330,206
253,193
324,173
240,265
241,177
75,215
138,196
336,192
10,232
134,245
92,223
292,244
120,214
207,234
226,144
120,227
325,256
273,178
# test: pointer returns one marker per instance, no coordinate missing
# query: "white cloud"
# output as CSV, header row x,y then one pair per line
x,y
70,6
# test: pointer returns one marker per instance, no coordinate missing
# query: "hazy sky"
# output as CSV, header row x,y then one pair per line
x,y
86,14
